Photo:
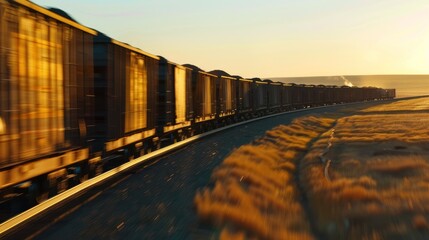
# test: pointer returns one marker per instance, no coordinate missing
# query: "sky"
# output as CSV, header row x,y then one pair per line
x,y
269,38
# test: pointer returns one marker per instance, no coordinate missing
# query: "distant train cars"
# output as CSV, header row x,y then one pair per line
x,y
74,101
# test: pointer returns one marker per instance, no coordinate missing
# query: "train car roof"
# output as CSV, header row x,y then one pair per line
x,y
259,81
222,74
134,49
163,59
276,83
56,14
195,68
240,78
247,80
104,38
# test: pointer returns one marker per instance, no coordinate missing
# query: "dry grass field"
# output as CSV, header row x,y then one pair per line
x,y
255,193
360,176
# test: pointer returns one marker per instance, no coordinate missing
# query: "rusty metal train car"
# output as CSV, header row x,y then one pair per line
x,y
125,85
46,96
175,105
74,101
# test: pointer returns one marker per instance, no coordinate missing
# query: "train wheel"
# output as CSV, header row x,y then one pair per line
x,y
190,133
182,136
83,177
95,169
156,145
38,192
98,169
61,184
173,138
147,148
83,173
41,197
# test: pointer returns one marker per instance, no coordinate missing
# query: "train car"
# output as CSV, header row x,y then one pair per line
x,y
307,95
259,97
376,93
244,97
363,94
390,93
46,97
345,94
322,95
287,103
333,95
126,86
296,95
226,95
204,98
274,96
175,105
354,94
336,94
369,93
312,95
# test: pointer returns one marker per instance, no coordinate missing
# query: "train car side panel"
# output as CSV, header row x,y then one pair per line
x,y
204,92
46,75
126,82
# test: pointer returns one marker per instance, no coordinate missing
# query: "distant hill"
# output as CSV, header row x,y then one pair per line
x,y
406,85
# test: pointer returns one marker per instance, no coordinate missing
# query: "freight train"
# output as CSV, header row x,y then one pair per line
x,y
74,102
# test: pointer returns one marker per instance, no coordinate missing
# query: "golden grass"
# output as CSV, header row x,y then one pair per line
x,y
379,186
420,222
399,165
226,234
254,189
402,105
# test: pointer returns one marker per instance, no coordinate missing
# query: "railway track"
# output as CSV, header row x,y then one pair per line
x,y
160,196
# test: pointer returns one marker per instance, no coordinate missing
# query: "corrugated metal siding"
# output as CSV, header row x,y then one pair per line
x,y
180,93
136,94
260,95
227,90
89,92
207,95
189,96
175,94
166,93
244,95
204,90
286,96
274,95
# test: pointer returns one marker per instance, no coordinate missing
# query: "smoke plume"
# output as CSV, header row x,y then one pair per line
x,y
347,82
